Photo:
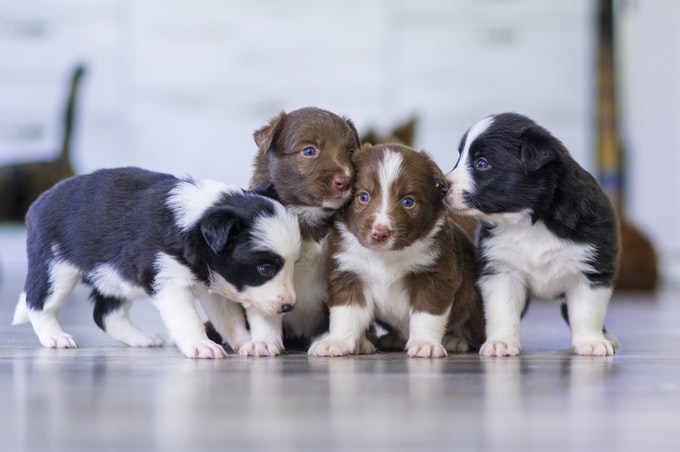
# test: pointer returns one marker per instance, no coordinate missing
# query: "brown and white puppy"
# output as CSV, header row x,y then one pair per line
x,y
397,257
304,161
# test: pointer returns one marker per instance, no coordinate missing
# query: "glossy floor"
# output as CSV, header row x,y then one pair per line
x,y
103,396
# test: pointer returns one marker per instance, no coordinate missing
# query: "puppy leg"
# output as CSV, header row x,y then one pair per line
x,y
227,318
587,307
177,309
63,278
113,316
425,337
347,332
266,334
504,300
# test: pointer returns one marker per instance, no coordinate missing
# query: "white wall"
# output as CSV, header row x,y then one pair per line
x,y
180,86
649,34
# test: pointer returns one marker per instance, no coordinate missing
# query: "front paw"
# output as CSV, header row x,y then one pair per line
x,y
593,347
455,344
203,349
505,347
59,340
254,348
331,347
425,349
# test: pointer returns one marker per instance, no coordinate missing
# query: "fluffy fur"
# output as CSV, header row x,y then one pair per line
x,y
397,257
130,233
547,230
304,160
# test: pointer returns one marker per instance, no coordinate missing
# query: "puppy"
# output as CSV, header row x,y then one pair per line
x,y
397,257
304,161
548,230
22,183
130,233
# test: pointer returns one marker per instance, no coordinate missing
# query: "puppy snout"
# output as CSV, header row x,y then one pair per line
x,y
380,233
341,183
287,307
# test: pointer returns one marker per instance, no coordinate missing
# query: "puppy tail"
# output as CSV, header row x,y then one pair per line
x,y
21,311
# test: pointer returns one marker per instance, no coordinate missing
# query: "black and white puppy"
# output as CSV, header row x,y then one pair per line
x,y
130,233
547,230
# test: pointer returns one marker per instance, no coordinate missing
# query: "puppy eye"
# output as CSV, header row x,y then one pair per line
x,y
309,151
408,203
265,270
364,197
350,151
482,164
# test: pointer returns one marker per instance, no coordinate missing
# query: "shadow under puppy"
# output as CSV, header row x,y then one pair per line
x,y
304,161
547,230
131,233
397,257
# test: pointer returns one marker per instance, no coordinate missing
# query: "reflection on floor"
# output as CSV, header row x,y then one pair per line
x,y
104,396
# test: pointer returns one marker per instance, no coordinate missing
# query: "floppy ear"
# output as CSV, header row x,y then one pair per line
x,y
354,130
217,227
538,149
264,137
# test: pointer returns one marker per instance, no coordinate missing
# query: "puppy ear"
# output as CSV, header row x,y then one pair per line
x,y
217,227
538,149
354,130
264,137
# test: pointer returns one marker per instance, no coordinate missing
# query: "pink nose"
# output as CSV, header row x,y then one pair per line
x,y
341,182
380,233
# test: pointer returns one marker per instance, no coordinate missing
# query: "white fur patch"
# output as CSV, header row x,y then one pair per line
x,y
388,172
547,265
190,200
110,283
346,335
460,178
279,233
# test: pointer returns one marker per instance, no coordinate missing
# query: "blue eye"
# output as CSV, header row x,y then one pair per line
x,y
364,197
265,270
408,203
481,164
309,152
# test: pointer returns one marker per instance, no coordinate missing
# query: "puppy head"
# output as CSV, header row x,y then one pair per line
x,y
306,155
251,243
398,197
505,166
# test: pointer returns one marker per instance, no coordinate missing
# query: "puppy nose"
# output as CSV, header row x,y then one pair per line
x,y
287,307
380,233
341,182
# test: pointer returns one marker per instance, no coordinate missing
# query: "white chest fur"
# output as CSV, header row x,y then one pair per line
x,y
546,264
382,273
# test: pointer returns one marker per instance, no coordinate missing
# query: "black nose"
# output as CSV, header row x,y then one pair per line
x,y
287,308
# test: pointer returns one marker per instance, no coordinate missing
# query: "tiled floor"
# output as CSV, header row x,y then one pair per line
x,y
103,396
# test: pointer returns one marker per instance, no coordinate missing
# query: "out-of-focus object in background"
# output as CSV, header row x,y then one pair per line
x,y
638,262
22,182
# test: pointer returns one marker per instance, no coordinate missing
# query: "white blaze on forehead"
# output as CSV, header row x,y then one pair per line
x,y
460,177
190,200
388,172
279,233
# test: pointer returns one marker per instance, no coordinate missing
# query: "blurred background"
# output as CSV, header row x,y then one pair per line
x,y
179,86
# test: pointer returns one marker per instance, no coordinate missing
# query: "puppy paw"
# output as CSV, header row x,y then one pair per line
x,y
253,348
593,347
507,347
204,349
59,340
425,349
391,341
332,347
147,340
455,344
